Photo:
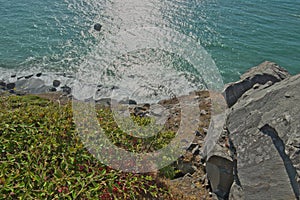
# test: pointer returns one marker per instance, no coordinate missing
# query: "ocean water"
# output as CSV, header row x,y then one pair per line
x,y
58,36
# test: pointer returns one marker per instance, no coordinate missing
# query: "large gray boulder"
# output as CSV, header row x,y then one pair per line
x,y
219,163
32,86
264,131
219,169
266,72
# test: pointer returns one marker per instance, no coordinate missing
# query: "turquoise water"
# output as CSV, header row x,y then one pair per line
x,y
57,35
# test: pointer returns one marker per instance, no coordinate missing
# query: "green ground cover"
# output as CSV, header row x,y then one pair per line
x,y
42,157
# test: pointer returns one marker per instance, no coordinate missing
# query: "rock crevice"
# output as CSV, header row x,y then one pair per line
x,y
262,123
278,143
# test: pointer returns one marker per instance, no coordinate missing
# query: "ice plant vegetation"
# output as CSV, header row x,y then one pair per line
x,y
42,157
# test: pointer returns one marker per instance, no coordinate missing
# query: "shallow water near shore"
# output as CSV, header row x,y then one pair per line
x,y
58,36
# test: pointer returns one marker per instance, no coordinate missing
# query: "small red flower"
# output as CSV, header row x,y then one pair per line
x,y
63,189
81,167
115,189
66,189
105,196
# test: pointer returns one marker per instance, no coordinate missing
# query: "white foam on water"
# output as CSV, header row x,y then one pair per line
x,y
129,28
111,62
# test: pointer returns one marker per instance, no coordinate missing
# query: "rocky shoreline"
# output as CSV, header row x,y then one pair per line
x,y
37,84
262,160
258,153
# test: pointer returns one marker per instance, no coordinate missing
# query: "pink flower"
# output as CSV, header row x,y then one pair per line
x,y
115,189
63,189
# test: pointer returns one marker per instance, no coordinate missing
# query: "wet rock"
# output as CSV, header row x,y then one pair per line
x,y
146,106
114,87
52,89
39,74
10,86
132,102
32,86
66,89
129,102
56,83
264,73
97,27
264,132
28,76
2,84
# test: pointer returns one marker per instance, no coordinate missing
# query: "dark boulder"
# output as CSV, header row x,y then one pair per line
x,y
129,102
97,27
66,89
29,76
39,74
132,102
52,89
2,84
10,86
56,83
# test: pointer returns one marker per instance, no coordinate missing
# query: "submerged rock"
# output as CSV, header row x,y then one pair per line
x,y
97,27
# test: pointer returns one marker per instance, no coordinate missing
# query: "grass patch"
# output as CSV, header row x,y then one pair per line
x,y
43,158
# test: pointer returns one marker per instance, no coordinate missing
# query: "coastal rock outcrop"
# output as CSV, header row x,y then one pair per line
x,y
262,160
36,84
32,86
265,73
265,133
257,155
